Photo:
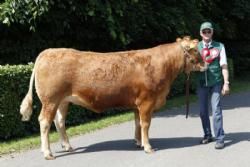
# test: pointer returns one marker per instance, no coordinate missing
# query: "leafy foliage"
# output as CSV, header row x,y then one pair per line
x,y
24,12
107,25
11,91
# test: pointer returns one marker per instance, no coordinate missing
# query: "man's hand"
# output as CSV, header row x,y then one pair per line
x,y
204,67
225,89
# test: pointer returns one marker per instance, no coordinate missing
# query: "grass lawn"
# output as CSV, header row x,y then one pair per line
x,y
21,144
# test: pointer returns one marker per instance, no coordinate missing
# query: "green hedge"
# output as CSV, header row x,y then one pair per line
x,y
14,81
11,90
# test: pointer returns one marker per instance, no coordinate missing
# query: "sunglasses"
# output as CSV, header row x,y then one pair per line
x,y
206,32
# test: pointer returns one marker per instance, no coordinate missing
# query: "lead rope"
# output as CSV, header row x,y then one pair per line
x,y
187,94
187,84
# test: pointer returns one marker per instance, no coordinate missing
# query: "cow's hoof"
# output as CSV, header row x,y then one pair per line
x,y
67,148
149,151
70,149
50,157
138,144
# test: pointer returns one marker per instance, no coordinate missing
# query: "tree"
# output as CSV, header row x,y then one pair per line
x,y
24,12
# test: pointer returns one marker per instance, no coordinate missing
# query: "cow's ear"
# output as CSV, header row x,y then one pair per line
x,y
178,39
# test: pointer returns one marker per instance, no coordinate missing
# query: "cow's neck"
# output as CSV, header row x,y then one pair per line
x,y
174,60
172,63
166,62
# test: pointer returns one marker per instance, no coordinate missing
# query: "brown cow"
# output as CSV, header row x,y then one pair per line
x,y
138,79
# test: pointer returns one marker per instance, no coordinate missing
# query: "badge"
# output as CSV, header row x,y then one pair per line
x,y
208,55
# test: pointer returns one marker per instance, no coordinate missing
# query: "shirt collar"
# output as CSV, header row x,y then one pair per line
x,y
209,44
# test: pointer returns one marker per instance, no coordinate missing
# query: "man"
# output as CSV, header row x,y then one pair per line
x,y
212,83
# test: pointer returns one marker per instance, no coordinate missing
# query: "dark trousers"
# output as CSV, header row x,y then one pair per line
x,y
212,94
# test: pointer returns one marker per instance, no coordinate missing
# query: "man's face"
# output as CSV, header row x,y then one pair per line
x,y
206,34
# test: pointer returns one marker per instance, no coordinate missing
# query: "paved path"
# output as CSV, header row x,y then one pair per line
x,y
175,138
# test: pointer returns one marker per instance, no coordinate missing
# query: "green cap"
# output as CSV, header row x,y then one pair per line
x,y
206,25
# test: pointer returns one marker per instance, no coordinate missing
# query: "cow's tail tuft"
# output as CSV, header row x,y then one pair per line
x,y
26,106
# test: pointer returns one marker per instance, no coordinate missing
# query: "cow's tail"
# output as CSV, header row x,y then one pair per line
x,y
26,106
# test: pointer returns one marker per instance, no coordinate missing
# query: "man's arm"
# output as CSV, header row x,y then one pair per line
x,y
225,74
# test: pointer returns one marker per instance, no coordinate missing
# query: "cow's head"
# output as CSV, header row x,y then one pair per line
x,y
192,61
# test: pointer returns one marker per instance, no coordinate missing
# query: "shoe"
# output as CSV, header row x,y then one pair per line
x,y
206,140
219,145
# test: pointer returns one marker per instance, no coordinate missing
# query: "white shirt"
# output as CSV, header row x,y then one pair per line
x,y
223,57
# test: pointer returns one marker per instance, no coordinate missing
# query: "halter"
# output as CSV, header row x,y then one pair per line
x,y
186,55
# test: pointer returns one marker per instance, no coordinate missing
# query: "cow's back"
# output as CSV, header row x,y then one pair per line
x,y
95,80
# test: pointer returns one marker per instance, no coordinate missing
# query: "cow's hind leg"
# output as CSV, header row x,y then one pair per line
x,y
45,118
145,112
60,125
137,129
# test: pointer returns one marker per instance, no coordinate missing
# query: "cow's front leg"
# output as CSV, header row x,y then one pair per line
x,y
145,112
137,129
